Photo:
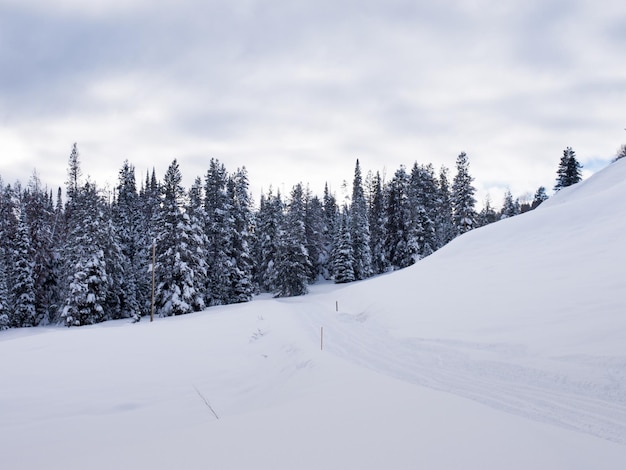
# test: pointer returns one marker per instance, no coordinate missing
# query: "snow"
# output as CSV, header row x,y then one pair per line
x,y
505,349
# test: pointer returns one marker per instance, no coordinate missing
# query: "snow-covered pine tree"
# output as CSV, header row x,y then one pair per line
x,y
423,202
487,215
269,219
360,228
197,244
23,291
331,228
569,171
376,217
149,209
343,255
463,200
444,223
85,265
238,230
315,241
540,196
125,247
218,211
39,209
293,265
509,208
174,294
397,244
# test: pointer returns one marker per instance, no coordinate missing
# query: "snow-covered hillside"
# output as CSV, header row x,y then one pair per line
x,y
505,349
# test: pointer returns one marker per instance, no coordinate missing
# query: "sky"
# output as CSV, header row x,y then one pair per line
x,y
296,91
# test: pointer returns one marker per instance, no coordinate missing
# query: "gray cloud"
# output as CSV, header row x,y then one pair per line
x,y
298,90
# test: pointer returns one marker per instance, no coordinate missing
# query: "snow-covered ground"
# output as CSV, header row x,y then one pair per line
x,y
505,349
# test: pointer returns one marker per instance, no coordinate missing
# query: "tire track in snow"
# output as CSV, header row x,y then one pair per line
x,y
504,384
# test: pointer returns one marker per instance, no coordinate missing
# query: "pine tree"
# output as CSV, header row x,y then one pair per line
x,y
239,240
23,287
175,292
444,223
86,276
293,265
218,224
197,244
316,244
343,256
360,228
330,231
148,214
376,216
569,171
509,208
423,204
125,246
487,215
463,201
399,247
269,221
540,196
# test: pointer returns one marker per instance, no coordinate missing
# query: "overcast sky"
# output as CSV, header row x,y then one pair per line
x,y
298,90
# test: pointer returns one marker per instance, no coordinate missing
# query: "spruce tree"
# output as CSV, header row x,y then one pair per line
x,y
330,230
398,245
175,292
269,221
463,200
343,256
85,263
444,223
23,290
197,244
360,228
540,196
569,171
376,217
293,265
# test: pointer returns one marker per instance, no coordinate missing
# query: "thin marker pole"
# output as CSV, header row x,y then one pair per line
x,y
321,338
153,263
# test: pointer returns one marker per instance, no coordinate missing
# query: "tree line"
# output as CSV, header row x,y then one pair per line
x,y
94,257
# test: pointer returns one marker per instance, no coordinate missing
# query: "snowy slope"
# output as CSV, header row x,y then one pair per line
x,y
505,349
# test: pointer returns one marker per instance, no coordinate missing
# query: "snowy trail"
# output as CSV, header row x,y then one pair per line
x,y
493,375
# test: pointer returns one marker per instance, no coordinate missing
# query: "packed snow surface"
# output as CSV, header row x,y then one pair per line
x,y
505,349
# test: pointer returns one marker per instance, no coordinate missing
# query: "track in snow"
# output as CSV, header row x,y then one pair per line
x,y
508,383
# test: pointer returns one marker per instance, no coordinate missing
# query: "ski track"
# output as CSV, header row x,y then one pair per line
x,y
504,384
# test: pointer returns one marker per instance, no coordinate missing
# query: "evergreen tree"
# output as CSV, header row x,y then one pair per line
x,y
423,205
293,265
219,223
239,239
125,247
23,287
86,276
487,215
330,230
148,215
197,244
540,196
399,247
569,171
269,222
316,243
175,292
38,207
621,153
343,256
509,208
444,223
360,228
376,217
463,201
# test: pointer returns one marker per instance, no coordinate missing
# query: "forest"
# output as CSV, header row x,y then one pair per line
x,y
159,249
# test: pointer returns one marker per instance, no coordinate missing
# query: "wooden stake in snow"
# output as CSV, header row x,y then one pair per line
x,y
321,338
336,305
